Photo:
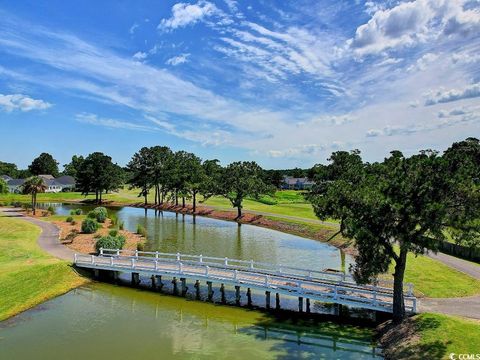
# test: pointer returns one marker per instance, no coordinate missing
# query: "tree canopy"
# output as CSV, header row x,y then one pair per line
x,y
44,164
403,204
71,168
33,186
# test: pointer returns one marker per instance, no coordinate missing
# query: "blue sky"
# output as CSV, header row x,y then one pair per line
x,y
284,83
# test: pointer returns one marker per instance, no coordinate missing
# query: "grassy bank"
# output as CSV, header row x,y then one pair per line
x,y
29,276
431,336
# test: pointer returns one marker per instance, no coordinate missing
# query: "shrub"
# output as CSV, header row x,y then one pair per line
x,y
141,230
110,242
73,222
113,232
99,213
141,246
72,212
78,211
51,210
121,225
89,226
69,219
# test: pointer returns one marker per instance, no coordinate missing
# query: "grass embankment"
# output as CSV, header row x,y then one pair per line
x,y
29,276
431,336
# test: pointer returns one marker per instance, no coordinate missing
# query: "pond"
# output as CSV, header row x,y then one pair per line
x,y
103,321
109,321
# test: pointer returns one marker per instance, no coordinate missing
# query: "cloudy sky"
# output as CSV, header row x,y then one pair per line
x,y
284,83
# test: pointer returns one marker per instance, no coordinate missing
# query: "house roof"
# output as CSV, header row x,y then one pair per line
x,y
15,182
46,177
66,180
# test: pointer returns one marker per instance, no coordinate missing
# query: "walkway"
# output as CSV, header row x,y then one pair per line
x,y
48,239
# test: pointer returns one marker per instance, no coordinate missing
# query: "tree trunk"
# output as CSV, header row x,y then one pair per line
x,y
194,201
145,194
156,194
176,197
398,300
33,203
183,201
96,196
239,212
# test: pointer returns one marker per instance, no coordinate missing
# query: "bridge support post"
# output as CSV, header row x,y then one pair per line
x,y
237,294
96,273
175,287
277,301
249,297
337,309
115,276
184,286
300,304
154,282
222,292
159,281
308,305
197,289
210,291
267,299
135,279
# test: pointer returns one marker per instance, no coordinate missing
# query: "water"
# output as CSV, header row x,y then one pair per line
x,y
103,321
172,233
106,321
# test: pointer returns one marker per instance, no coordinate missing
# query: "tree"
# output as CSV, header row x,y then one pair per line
x,y
195,176
71,168
3,186
241,179
98,174
9,169
161,159
212,181
44,164
274,177
391,208
140,167
33,186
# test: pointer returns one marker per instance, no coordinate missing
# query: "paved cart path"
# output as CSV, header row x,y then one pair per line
x,y
49,238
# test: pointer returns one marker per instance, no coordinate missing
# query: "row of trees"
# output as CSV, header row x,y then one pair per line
x,y
173,175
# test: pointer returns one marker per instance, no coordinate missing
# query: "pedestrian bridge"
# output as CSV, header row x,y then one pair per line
x,y
323,286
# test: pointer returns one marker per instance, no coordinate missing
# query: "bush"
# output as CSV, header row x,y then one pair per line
x,y
51,210
76,212
89,226
141,230
113,232
99,213
110,242
73,222
141,246
121,225
69,219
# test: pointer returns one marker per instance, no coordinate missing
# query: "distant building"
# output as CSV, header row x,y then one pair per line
x,y
293,183
54,185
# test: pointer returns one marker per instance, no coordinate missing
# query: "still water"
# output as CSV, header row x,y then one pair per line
x,y
103,321
106,321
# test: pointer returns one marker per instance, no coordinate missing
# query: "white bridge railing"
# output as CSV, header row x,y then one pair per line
x,y
316,285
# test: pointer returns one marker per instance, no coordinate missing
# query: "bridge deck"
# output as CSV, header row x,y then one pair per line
x,y
315,285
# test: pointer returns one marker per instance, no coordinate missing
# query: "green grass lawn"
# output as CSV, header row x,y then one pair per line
x,y
28,276
431,278
436,337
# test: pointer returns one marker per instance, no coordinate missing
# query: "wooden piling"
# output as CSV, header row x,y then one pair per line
x,y
237,294
277,301
115,276
222,292
96,273
300,304
159,282
308,305
267,299
154,282
184,286
210,291
135,279
175,286
197,289
249,297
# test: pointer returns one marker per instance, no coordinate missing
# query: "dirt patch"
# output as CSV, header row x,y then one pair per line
x,y
85,243
400,341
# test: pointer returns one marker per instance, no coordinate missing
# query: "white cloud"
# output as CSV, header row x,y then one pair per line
x,y
140,55
465,58
177,60
413,22
21,102
445,96
184,14
422,63
133,28
93,119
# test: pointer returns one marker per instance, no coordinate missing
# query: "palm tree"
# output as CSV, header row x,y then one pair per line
x,y
33,186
